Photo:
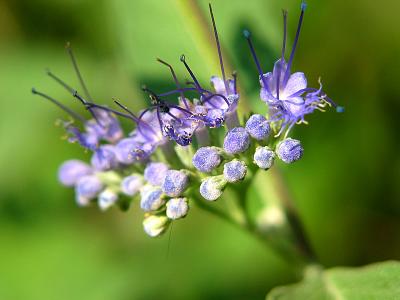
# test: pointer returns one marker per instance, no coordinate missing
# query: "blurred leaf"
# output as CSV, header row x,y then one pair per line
x,y
376,281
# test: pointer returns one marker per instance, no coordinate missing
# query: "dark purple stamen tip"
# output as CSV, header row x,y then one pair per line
x,y
63,107
247,35
196,82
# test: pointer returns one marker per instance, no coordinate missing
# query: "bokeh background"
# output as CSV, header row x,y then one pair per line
x,y
346,187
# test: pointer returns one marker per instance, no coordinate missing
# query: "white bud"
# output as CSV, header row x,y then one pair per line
x,y
155,225
106,199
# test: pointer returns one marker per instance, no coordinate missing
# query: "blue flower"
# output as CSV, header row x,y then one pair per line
x,y
287,95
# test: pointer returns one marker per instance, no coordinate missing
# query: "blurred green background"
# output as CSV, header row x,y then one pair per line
x,y
346,187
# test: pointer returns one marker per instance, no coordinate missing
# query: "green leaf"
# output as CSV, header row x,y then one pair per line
x,y
380,281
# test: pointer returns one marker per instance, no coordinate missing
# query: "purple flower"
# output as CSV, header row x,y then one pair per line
x,y
206,159
72,170
287,95
237,140
175,183
155,173
289,150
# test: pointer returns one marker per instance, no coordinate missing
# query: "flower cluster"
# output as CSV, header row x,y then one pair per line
x,y
174,154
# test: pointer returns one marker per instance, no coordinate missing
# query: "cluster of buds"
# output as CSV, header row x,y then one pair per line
x,y
175,152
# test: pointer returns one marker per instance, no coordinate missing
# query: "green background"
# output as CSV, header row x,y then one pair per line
x,y
346,187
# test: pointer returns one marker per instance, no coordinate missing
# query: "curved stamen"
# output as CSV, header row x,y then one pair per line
x,y
184,90
78,73
181,109
73,92
247,35
217,95
221,62
137,120
63,107
176,81
296,39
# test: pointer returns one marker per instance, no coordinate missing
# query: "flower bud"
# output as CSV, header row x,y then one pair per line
x,y
151,198
258,127
289,150
104,158
107,198
131,185
71,170
211,188
264,157
236,141
155,173
206,159
155,225
177,208
88,187
175,183
235,170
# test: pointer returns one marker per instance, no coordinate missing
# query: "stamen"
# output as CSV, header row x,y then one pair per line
x,y
63,107
136,119
73,92
78,73
296,39
234,75
176,81
278,83
221,62
196,83
247,35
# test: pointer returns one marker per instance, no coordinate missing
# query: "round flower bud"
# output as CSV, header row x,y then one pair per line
x,y
71,170
264,157
104,158
206,159
155,225
289,150
177,208
175,183
155,173
258,127
237,140
151,198
107,198
131,185
88,187
235,170
212,187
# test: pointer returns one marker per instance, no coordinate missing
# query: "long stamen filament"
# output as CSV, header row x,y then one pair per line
x,y
78,73
63,107
221,62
